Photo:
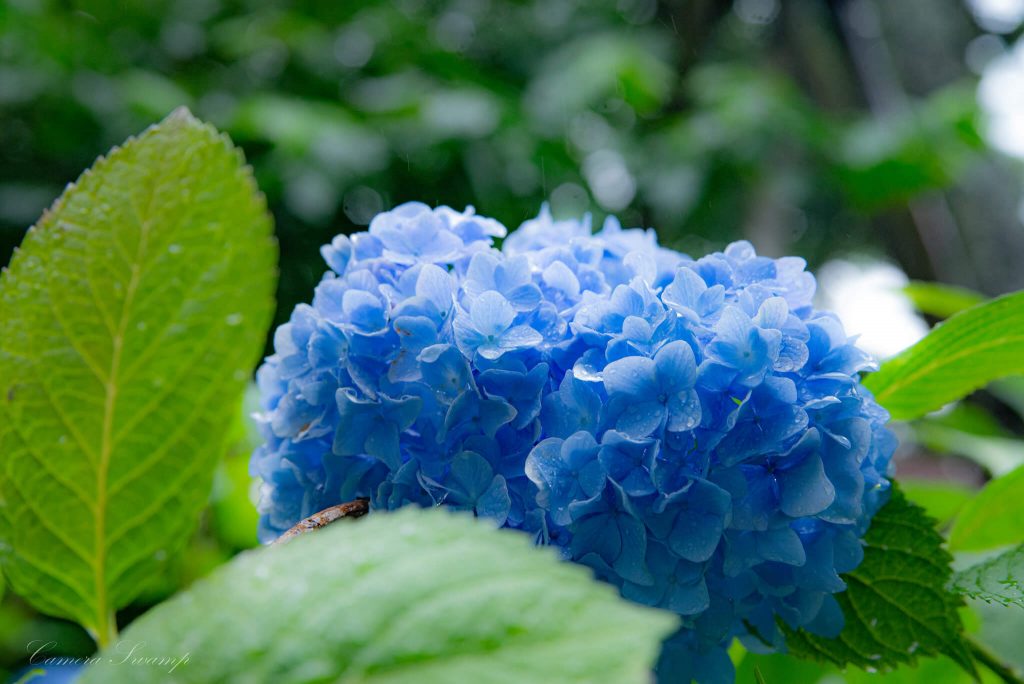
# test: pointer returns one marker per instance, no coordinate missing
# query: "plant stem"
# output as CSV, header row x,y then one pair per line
x,y
990,660
106,634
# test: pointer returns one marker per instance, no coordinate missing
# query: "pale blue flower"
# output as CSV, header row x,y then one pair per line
x,y
693,431
488,328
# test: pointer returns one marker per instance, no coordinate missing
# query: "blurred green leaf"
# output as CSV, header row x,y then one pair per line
x,y
941,300
150,94
994,518
896,605
134,313
962,354
998,455
968,417
233,512
300,127
996,580
1011,392
588,71
888,160
940,500
412,596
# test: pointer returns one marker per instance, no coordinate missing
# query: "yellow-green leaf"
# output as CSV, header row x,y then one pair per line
x,y
993,518
962,354
130,320
940,299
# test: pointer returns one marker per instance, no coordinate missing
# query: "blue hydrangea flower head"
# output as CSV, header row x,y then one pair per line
x,y
695,431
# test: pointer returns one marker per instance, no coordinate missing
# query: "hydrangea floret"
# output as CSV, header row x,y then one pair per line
x,y
693,430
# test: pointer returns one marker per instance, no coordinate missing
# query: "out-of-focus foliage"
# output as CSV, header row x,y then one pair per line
x,y
940,500
348,108
941,301
994,517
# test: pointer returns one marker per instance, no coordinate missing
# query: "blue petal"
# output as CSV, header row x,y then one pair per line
x,y
491,314
382,443
338,253
633,376
519,337
688,598
641,418
781,544
435,285
495,503
524,297
804,489
471,475
676,368
560,277
684,411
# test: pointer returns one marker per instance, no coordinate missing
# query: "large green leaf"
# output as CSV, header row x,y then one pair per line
x,y
896,604
967,351
132,317
996,580
412,596
993,518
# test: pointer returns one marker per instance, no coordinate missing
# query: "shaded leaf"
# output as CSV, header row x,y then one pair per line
x,y
412,596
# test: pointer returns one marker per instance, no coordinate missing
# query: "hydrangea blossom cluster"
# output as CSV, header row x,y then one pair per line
x,y
693,430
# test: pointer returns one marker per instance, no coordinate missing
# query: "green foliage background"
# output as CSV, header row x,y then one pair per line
x,y
710,120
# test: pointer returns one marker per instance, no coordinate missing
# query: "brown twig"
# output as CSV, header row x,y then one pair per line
x,y
351,509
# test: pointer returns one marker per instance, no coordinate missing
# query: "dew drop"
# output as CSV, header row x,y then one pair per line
x,y
174,249
141,325
160,555
233,319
